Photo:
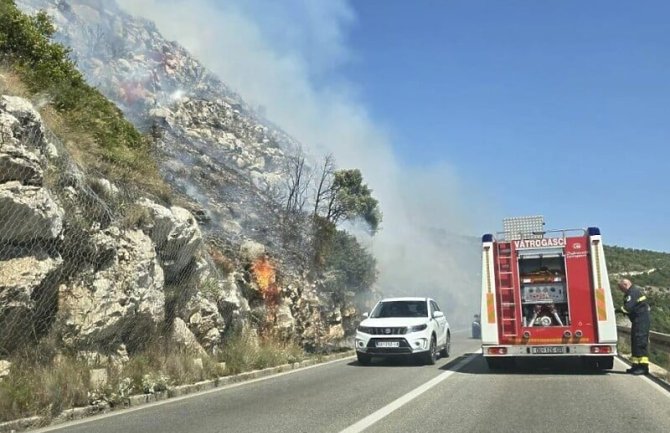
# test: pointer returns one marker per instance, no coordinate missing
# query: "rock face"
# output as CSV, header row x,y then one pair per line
x,y
176,235
29,214
102,290
17,164
120,301
120,283
27,285
31,219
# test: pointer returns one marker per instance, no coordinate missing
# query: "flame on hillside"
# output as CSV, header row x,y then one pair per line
x,y
265,275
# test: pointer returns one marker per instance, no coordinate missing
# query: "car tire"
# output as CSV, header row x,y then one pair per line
x,y
444,353
431,356
363,359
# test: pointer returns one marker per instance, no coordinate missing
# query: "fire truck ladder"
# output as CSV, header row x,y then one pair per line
x,y
507,290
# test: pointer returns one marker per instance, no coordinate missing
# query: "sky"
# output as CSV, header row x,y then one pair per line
x,y
559,108
503,108
458,113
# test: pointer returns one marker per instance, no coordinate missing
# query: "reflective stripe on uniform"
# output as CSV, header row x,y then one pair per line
x,y
624,309
641,298
634,359
643,360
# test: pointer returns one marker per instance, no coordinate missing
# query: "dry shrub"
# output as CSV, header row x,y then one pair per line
x,y
46,390
244,351
222,262
11,84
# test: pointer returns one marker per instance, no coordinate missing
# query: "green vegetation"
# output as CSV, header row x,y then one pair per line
x,y
353,266
340,196
43,382
77,113
654,278
244,352
351,199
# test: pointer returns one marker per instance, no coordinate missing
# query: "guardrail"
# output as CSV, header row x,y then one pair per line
x,y
657,339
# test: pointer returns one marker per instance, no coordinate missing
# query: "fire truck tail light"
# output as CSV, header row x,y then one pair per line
x,y
567,334
497,350
601,349
578,333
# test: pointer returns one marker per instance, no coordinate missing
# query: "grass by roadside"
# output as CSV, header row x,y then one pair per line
x,y
244,352
43,383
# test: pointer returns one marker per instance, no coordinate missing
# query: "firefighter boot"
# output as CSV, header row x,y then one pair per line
x,y
634,364
640,369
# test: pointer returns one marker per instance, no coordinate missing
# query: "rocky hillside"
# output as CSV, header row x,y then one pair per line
x,y
106,286
91,256
225,163
214,149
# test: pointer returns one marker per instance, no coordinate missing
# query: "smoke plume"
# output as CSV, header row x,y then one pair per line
x,y
285,58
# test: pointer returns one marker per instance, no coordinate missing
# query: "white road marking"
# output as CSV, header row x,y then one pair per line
x,y
118,412
658,387
401,401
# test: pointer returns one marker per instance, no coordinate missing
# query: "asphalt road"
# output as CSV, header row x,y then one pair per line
x,y
458,394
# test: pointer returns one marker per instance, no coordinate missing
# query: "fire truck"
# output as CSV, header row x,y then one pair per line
x,y
546,294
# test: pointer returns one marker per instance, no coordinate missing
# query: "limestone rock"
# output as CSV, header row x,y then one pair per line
x,y
177,237
122,301
29,129
28,214
18,164
5,368
251,250
183,336
27,283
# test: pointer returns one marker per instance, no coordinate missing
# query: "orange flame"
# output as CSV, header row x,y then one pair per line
x,y
264,273
266,278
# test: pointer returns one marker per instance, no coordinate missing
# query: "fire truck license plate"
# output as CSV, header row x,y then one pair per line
x,y
547,350
388,344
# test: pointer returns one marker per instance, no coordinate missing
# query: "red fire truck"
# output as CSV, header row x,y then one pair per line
x,y
546,294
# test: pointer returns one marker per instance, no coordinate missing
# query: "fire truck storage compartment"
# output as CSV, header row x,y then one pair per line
x,y
544,289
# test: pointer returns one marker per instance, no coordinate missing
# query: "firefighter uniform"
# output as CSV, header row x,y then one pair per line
x,y
637,308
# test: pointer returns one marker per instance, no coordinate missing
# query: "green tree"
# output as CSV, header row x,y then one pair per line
x,y
350,199
355,268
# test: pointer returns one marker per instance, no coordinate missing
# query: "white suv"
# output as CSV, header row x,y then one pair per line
x,y
406,327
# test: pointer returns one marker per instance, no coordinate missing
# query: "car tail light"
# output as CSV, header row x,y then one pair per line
x,y
601,349
497,350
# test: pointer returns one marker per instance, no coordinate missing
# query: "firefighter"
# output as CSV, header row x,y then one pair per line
x,y
637,309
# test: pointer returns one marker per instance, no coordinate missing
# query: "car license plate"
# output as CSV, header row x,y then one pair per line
x,y
547,350
388,344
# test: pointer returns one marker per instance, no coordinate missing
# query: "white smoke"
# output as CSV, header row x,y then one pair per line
x,y
285,56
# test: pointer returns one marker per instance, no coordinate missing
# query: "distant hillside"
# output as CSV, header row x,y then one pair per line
x,y
648,269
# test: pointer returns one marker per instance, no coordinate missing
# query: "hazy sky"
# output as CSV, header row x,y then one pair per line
x,y
490,108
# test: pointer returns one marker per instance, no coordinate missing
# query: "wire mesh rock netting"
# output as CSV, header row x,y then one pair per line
x,y
105,292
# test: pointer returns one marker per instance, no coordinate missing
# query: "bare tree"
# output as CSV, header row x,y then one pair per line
x,y
324,184
298,179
